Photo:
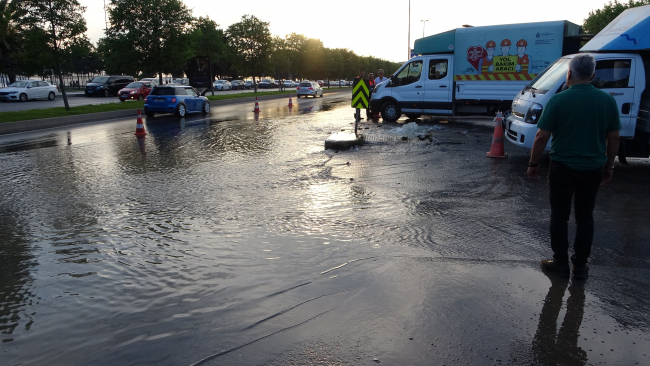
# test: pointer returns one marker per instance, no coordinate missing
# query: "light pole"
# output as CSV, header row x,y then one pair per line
x,y
409,40
424,24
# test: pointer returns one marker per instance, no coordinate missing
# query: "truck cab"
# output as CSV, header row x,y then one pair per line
x,y
622,55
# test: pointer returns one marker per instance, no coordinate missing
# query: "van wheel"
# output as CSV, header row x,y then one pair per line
x,y
140,97
106,93
390,111
181,110
51,96
206,108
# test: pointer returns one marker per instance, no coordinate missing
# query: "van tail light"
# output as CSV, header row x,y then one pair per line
x,y
173,100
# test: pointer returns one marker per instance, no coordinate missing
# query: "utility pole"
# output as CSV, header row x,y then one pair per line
x,y
409,41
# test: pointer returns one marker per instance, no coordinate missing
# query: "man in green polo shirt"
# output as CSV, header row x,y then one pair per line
x,y
584,124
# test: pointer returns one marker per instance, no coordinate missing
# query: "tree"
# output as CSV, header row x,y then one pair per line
x,y
10,37
147,36
61,24
599,18
250,40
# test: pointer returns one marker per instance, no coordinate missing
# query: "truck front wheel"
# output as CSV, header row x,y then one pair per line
x,y
390,111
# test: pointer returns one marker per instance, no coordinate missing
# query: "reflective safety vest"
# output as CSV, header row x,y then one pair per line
x,y
523,61
485,64
371,82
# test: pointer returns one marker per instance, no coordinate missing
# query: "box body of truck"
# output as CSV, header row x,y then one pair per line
x,y
622,55
473,70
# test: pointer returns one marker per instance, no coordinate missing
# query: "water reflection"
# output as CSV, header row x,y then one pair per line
x,y
552,347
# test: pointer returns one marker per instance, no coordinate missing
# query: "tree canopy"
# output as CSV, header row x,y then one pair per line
x,y
599,18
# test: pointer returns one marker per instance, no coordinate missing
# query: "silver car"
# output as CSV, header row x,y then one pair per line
x,y
24,90
309,88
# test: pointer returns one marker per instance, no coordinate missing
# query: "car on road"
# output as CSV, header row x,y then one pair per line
x,y
137,90
237,84
222,85
289,84
248,84
180,100
154,80
265,84
24,90
107,85
307,88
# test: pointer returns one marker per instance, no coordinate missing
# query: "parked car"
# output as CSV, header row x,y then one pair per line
x,y
289,84
107,85
153,80
248,84
136,90
237,84
343,83
276,83
175,99
334,83
265,84
24,90
321,83
181,81
222,85
312,88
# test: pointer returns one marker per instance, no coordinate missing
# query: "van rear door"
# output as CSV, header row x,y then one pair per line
x,y
438,84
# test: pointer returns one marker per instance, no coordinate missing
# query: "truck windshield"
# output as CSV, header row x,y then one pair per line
x,y
550,76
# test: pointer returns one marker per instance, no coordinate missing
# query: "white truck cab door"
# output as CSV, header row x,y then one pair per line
x,y
615,76
438,85
408,87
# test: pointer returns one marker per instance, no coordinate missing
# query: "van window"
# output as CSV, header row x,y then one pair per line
x,y
612,74
409,74
437,69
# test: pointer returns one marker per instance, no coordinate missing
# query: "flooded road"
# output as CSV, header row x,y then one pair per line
x,y
236,240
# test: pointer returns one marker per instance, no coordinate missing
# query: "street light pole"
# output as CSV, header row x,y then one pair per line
x,y
409,41
424,24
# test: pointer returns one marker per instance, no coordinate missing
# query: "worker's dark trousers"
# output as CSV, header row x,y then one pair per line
x,y
581,186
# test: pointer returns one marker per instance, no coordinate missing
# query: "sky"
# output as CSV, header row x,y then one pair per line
x,y
378,28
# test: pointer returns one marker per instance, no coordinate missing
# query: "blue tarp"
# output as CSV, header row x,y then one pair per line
x,y
630,31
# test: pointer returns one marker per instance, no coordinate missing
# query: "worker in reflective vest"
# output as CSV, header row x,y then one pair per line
x,y
523,60
485,64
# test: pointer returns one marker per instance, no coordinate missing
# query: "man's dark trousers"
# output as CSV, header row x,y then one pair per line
x,y
581,186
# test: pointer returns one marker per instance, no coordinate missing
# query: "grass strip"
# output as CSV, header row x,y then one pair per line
x,y
111,107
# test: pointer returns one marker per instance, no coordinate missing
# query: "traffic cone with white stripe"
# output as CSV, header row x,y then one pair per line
x,y
139,127
496,150
257,106
290,103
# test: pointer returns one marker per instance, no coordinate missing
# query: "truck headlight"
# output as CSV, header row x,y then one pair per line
x,y
532,116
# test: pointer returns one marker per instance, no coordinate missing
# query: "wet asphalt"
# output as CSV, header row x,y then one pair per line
x,y
237,239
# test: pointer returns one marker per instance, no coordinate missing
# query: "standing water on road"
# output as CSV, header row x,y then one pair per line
x,y
231,239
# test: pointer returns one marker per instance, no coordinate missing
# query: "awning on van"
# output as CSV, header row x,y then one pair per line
x,y
630,31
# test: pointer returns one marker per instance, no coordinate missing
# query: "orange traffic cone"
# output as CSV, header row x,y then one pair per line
x,y
290,103
496,151
139,127
257,106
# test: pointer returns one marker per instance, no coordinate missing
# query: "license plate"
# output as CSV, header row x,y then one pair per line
x,y
159,100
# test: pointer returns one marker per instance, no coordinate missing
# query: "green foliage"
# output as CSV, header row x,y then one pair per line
x,y
147,37
599,18
251,44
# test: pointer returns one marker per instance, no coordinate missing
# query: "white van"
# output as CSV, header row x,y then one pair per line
x,y
621,71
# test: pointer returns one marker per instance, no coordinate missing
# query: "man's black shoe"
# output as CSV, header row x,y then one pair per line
x,y
551,265
581,272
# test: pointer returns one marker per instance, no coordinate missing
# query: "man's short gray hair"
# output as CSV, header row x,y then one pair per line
x,y
582,66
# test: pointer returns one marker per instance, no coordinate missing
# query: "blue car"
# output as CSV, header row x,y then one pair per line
x,y
175,99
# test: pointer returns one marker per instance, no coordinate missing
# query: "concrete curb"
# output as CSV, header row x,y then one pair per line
x,y
39,124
